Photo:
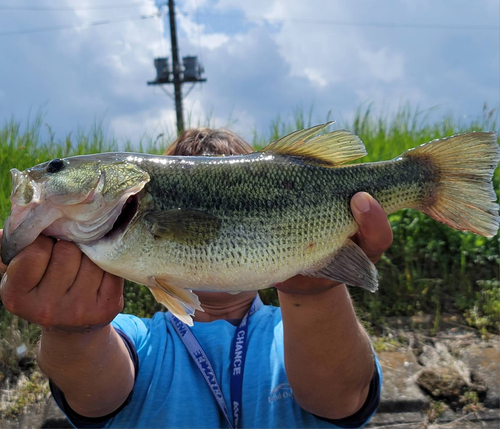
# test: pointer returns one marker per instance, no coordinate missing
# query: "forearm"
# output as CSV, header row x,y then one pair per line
x,y
328,356
94,370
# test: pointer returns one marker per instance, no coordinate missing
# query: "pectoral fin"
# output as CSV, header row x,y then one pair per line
x,y
187,226
351,266
181,302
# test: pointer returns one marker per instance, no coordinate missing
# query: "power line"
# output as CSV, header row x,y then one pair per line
x,y
160,21
352,23
198,32
70,27
65,8
254,18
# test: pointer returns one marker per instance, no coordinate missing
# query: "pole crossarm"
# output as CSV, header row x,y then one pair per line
x,y
190,72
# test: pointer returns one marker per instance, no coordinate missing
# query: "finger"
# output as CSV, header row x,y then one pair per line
x,y
375,233
88,281
3,282
3,268
23,275
61,272
29,266
80,305
110,295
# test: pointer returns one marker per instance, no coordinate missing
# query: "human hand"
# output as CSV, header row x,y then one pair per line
x,y
374,237
3,267
54,285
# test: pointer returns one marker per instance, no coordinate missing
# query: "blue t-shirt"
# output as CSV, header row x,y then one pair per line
x,y
170,391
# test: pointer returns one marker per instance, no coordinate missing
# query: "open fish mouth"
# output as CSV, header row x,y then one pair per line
x,y
128,212
42,220
24,225
80,199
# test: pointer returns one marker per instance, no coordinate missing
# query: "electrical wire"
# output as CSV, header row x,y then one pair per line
x,y
70,27
160,22
200,87
351,23
198,31
262,19
68,9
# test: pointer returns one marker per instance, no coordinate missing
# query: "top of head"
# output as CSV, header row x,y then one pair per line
x,y
206,141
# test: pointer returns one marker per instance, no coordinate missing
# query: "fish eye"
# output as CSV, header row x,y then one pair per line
x,y
55,165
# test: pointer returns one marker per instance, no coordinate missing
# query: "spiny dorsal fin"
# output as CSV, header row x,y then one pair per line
x,y
335,148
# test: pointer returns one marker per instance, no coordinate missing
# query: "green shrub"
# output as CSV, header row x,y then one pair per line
x,y
430,267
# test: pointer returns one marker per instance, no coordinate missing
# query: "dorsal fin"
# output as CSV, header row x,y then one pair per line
x,y
335,148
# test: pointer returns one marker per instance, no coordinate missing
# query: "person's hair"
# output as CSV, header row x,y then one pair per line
x,y
205,141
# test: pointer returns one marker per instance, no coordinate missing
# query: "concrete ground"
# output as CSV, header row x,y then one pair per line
x,y
447,380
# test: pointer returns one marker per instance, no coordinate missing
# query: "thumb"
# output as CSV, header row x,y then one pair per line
x,y
3,268
375,233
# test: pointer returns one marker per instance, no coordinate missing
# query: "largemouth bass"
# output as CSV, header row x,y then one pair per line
x,y
177,224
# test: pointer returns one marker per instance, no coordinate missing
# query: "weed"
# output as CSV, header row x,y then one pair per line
x,y
384,344
435,410
28,391
430,268
470,402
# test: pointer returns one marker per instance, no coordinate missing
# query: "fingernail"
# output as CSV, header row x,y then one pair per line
x,y
362,202
4,280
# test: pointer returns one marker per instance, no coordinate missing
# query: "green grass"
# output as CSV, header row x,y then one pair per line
x,y
430,268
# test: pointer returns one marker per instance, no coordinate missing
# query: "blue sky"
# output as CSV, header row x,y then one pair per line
x,y
263,58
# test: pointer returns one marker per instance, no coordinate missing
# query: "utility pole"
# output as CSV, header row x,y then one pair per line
x,y
191,70
176,68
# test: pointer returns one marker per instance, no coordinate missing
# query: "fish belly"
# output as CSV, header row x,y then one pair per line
x,y
276,222
243,257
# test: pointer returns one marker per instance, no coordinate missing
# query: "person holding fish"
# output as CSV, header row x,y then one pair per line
x,y
290,216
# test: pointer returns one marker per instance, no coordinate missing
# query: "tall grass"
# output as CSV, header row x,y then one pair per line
x,y
430,267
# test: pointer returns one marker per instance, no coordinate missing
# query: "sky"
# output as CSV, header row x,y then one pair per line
x,y
263,60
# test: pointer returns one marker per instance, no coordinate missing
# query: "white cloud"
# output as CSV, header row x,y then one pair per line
x,y
195,31
253,9
194,5
326,53
263,58
315,76
382,65
148,123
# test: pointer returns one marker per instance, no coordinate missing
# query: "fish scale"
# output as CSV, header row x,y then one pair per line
x,y
177,224
280,232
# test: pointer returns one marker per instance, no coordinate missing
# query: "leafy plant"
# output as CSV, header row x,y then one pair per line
x,y
430,268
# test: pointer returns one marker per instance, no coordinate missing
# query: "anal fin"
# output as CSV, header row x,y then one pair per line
x,y
351,266
181,302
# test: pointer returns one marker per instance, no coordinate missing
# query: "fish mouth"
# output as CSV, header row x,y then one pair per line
x,y
23,226
129,210
19,235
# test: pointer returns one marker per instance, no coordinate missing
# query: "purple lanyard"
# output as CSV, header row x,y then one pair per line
x,y
238,354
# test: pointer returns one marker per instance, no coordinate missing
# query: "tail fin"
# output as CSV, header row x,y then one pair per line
x,y
464,197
